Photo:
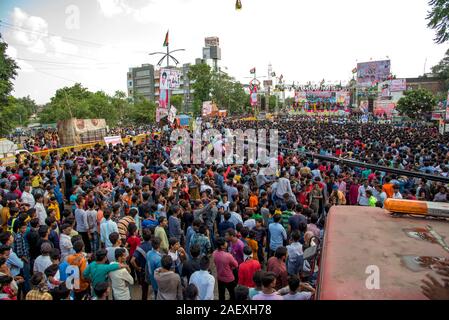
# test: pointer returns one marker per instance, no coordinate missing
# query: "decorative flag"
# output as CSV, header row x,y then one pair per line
x,y
273,74
252,71
281,77
238,5
354,70
166,40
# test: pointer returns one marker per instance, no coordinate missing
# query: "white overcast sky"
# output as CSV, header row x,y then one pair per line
x,y
304,40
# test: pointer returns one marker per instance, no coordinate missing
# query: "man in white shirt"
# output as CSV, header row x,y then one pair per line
x,y
43,261
40,209
65,242
106,228
121,279
27,197
203,280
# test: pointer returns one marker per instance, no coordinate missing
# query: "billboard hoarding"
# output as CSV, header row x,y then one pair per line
x,y
170,79
115,140
398,85
373,71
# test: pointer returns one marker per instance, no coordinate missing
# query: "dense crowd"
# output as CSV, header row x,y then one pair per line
x,y
113,218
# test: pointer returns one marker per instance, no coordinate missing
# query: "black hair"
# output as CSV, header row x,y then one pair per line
x,y
195,250
220,242
204,263
293,283
156,243
191,292
296,236
78,246
280,252
114,237
167,262
146,234
241,293
119,252
257,278
100,288
172,241
100,255
268,278
277,218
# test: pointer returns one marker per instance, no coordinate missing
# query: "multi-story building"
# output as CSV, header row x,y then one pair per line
x,y
141,81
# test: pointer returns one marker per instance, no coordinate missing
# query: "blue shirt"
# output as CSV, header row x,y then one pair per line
x,y
14,263
153,262
277,235
62,270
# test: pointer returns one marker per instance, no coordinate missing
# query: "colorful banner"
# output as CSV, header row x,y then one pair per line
x,y
253,96
161,113
170,79
163,98
115,140
371,72
343,98
382,108
207,108
447,107
398,85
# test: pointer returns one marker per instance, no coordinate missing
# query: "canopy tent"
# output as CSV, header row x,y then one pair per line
x,y
184,120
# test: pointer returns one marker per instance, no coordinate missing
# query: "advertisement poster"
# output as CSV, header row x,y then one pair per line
x,y
382,108
170,79
253,97
163,99
161,113
398,85
371,72
113,140
207,108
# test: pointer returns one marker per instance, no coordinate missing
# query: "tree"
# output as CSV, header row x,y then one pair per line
x,y
438,19
416,104
78,102
201,76
8,72
142,111
177,101
442,69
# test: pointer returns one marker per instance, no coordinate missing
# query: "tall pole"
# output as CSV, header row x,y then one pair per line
x,y
168,66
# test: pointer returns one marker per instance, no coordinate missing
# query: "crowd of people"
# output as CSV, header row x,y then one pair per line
x,y
124,222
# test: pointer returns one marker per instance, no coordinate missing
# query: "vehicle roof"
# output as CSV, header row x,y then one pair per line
x,y
358,237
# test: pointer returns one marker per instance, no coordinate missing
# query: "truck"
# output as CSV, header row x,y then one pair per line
x,y
382,254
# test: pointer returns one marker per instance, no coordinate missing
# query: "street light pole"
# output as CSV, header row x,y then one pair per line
x,y
167,55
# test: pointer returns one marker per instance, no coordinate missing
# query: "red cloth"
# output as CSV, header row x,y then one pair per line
x,y
133,242
279,268
246,272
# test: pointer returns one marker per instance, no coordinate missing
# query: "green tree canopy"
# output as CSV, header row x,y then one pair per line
x,y
442,69
79,102
142,111
438,19
201,76
8,73
416,104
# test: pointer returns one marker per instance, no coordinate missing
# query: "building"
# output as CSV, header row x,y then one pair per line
x,y
429,82
141,82
212,52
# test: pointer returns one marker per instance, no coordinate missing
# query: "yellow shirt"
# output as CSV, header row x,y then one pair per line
x,y
55,206
36,181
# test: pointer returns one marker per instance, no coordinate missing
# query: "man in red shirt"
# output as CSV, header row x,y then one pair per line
x,y
277,265
248,268
225,263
